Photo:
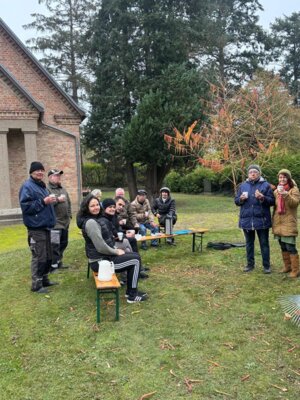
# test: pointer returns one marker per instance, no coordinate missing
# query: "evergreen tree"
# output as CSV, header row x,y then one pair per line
x,y
286,49
63,41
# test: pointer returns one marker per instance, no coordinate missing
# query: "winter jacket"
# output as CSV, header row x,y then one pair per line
x,y
128,214
164,209
36,214
98,242
139,210
255,214
286,224
62,210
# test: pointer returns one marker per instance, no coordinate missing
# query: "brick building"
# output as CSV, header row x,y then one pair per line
x,y
38,121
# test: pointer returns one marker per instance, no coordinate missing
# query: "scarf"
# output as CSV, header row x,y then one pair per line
x,y
281,204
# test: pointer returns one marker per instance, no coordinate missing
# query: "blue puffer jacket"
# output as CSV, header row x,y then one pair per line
x,y
255,214
36,214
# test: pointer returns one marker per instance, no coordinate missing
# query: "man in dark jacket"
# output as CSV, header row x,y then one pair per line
x,y
38,215
255,197
63,212
164,208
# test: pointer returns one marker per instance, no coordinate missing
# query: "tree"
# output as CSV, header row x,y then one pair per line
x,y
242,126
286,48
232,41
133,43
63,42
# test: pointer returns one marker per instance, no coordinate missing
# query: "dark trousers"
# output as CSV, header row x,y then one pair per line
x,y
59,243
40,245
290,248
263,237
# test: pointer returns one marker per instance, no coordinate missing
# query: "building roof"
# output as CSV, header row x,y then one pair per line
x,y
79,110
21,89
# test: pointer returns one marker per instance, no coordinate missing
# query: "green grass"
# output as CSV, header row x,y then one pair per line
x,y
205,322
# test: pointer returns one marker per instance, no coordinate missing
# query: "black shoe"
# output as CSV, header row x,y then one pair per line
x,y
267,270
143,275
154,244
137,297
142,294
63,266
248,268
144,247
145,268
41,290
49,283
53,270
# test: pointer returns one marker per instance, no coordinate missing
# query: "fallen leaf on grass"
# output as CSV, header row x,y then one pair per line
x,y
292,349
91,373
245,378
280,388
225,394
172,373
165,344
214,363
295,372
188,385
230,345
135,312
147,395
287,316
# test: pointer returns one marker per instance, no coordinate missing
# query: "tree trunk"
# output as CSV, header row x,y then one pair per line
x,y
131,181
155,176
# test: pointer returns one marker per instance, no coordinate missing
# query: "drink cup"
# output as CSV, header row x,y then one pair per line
x,y
52,195
245,194
120,236
280,188
124,221
146,213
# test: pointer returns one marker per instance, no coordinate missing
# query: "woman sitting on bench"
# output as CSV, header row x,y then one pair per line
x,y
100,245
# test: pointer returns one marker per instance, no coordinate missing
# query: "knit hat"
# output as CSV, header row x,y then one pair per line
x,y
35,166
142,192
55,172
254,166
165,189
107,203
285,172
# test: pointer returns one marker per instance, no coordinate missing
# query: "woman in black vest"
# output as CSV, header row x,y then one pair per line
x,y
99,236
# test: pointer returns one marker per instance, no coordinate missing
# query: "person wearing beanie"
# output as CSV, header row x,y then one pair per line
x,y
164,208
39,218
255,198
63,212
284,222
100,243
142,213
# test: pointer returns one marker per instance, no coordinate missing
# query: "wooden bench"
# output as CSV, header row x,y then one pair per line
x,y
112,286
197,237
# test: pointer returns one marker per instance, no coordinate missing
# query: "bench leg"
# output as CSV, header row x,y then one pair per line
x,y
117,305
193,242
88,271
98,306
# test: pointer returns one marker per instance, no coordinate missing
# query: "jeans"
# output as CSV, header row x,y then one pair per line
x,y
263,237
153,229
290,248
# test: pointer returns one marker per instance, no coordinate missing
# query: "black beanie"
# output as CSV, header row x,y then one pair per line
x,y
35,166
107,203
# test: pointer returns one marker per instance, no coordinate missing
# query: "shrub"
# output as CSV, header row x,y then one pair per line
x,y
93,175
173,181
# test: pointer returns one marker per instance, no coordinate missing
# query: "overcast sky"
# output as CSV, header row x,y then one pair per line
x,y
16,13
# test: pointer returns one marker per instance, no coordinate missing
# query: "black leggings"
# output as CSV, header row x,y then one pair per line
x,y
290,248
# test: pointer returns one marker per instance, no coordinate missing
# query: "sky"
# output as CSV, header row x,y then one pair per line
x,y
16,13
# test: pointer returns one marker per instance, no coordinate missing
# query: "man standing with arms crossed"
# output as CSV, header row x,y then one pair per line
x,y
63,212
38,215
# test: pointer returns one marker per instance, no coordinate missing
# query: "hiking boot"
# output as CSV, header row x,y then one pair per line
x,y
248,268
142,294
286,261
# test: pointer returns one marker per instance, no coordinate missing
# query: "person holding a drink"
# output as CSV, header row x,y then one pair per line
x,y
63,212
255,197
284,226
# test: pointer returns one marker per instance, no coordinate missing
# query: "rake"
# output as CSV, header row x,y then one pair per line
x,y
291,306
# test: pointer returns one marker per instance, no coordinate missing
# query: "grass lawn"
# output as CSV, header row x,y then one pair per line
x,y
208,331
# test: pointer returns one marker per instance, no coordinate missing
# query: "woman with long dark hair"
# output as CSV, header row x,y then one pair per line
x,y
284,225
100,245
